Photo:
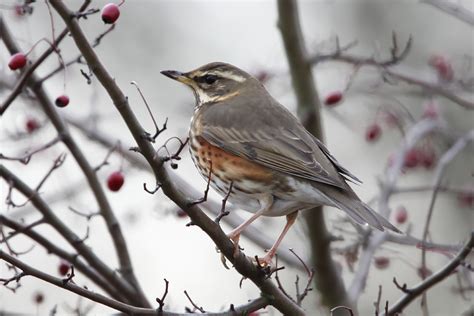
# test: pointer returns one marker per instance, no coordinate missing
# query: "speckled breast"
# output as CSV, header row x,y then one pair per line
x,y
249,179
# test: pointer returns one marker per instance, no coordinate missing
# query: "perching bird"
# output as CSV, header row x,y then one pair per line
x,y
248,143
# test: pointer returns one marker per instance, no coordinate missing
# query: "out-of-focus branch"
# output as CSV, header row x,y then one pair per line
x,y
422,287
117,305
327,277
340,55
241,262
447,157
417,132
452,8
107,213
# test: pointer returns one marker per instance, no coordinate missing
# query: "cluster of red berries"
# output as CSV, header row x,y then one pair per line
x,y
420,157
442,66
416,157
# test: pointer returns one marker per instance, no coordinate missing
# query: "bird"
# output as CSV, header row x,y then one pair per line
x,y
256,153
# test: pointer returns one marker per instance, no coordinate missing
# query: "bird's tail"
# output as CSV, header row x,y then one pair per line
x,y
359,211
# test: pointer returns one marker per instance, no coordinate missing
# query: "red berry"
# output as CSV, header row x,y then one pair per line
x,y
110,13
62,101
180,213
401,215
31,125
63,268
412,158
38,297
430,111
333,98
391,118
443,67
115,181
427,158
373,132
466,198
424,272
17,61
263,76
381,262
19,10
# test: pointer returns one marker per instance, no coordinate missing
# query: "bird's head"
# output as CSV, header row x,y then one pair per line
x,y
213,82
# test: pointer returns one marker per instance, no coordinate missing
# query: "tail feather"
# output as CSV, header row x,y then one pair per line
x,y
359,211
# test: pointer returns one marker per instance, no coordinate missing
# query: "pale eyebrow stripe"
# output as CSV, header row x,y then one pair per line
x,y
228,75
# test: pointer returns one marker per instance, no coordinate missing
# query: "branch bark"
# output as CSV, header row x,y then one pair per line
x,y
327,277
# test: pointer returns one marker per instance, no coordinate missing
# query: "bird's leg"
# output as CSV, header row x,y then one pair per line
x,y
267,259
235,234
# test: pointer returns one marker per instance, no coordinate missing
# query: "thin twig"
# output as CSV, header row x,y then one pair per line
x,y
223,211
161,300
194,304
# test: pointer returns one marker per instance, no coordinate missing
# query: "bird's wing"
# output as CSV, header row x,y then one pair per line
x,y
343,171
280,143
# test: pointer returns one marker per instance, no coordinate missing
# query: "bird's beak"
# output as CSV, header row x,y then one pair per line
x,y
178,76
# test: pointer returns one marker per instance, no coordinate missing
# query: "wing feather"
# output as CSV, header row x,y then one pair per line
x,y
282,151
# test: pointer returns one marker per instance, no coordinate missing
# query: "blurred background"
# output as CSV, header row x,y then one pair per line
x,y
151,36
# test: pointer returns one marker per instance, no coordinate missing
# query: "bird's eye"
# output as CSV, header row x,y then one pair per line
x,y
209,79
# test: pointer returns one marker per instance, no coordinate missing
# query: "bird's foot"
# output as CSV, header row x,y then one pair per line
x,y
266,261
235,239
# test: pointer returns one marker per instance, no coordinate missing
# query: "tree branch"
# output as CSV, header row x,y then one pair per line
x,y
339,55
66,233
117,305
420,288
453,9
91,176
327,278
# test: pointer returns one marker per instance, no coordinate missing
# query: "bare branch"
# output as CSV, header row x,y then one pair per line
x,y
194,304
454,9
25,159
158,130
161,300
420,288
223,211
